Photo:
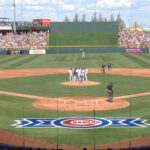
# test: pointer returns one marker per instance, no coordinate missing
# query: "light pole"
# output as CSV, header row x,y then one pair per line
x,y
14,27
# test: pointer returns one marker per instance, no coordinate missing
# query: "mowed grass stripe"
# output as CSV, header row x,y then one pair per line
x,y
2,58
74,60
134,58
7,59
22,60
146,57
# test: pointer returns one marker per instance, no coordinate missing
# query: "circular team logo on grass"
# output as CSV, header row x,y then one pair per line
x,y
83,123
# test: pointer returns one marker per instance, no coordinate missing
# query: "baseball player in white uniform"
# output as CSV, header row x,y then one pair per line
x,y
79,74
85,74
83,54
70,74
82,74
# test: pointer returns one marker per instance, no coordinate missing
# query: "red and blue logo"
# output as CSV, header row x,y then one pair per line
x,y
81,123
85,123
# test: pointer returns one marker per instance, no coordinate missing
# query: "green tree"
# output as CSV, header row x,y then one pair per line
x,y
100,18
94,17
83,18
112,18
135,25
120,22
67,19
76,18
105,19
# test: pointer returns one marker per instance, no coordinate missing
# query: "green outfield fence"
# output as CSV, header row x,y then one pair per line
x,y
66,27
75,49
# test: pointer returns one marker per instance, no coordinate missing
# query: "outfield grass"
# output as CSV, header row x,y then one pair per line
x,y
119,60
15,108
65,39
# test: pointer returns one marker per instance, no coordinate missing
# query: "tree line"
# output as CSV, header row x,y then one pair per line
x,y
97,18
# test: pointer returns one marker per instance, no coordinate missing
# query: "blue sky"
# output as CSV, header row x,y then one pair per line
x,y
56,10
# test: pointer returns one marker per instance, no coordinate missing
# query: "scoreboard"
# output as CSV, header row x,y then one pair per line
x,y
42,22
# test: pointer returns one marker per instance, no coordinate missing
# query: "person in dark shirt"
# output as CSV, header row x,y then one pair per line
x,y
103,68
110,92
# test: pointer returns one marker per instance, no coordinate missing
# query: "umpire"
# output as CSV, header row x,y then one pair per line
x,y
110,92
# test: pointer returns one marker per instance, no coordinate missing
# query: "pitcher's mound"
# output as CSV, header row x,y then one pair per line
x,y
85,83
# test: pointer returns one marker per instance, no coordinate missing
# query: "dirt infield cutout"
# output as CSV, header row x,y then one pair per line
x,y
38,72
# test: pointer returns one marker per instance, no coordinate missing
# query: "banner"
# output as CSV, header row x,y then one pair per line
x,y
39,51
134,50
5,27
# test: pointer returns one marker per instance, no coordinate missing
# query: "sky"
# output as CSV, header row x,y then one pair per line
x,y
130,10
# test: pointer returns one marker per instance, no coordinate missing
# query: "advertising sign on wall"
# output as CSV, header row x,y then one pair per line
x,y
39,51
134,50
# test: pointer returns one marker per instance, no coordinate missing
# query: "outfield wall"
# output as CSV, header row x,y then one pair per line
x,y
88,50
69,27
61,50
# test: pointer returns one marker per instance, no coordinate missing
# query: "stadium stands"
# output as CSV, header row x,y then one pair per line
x,y
130,39
24,40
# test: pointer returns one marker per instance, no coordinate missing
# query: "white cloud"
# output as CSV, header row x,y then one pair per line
x,y
67,7
82,10
35,8
114,3
35,2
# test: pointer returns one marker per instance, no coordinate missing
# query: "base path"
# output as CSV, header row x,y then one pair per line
x,y
37,72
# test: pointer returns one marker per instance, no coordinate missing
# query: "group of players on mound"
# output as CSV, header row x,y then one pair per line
x,y
78,74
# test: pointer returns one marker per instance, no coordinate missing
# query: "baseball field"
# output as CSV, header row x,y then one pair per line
x,y
31,87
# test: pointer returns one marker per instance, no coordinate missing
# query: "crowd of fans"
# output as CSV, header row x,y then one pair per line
x,y
127,39
131,39
24,40
5,24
